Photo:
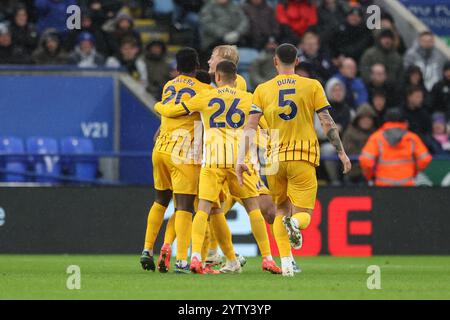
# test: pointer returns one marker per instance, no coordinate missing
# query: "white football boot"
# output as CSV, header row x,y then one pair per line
x,y
231,267
294,233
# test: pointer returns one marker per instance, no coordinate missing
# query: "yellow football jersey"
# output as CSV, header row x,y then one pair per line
x,y
224,112
177,134
241,84
288,103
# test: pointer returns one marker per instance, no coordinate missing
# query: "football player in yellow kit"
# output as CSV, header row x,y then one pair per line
x,y
223,111
288,103
175,167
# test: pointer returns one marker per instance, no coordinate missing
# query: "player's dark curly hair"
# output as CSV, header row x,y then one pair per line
x,y
187,60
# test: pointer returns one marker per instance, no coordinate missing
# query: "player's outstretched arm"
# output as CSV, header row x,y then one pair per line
x,y
246,144
331,130
171,110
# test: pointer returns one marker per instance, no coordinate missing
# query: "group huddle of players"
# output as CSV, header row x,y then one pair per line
x,y
208,175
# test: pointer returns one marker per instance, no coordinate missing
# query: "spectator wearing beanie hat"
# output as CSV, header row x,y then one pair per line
x,y
85,54
385,53
440,131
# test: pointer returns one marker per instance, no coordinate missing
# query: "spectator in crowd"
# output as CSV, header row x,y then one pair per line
x,y
414,78
263,24
355,138
425,55
352,38
52,14
340,111
299,15
186,17
393,155
385,53
85,54
440,95
23,33
416,113
262,69
378,81
9,52
128,58
387,22
158,67
123,28
6,9
87,25
222,21
49,50
101,10
310,51
331,14
378,101
356,92
440,132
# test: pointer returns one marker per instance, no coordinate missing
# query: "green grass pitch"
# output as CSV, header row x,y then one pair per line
x,y
121,277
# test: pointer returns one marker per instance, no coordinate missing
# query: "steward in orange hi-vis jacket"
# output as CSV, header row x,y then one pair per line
x,y
393,155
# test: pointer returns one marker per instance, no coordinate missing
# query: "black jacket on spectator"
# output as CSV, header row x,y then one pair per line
x,y
440,97
394,97
340,112
25,37
263,24
419,121
329,21
322,66
351,41
13,54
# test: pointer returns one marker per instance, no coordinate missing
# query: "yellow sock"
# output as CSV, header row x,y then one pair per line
x,y
170,235
154,222
281,237
206,243
304,219
198,231
223,235
213,244
260,232
183,227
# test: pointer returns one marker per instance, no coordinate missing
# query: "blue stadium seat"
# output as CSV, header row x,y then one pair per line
x,y
45,159
246,57
163,7
83,168
15,162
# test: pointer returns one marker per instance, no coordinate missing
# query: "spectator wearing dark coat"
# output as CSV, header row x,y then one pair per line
x,y
123,28
23,32
158,67
222,21
378,82
263,24
355,138
413,77
378,101
262,69
440,95
49,50
299,15
388,22
427,57
385,53
85,54
331,14
416,112
9,52
352,38
310,51
52,14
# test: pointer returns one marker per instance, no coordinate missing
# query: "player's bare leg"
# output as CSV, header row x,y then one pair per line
x,y
259,231
154,222
183,227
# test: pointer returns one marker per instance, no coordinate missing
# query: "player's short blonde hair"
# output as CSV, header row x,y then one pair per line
x,y
228,52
